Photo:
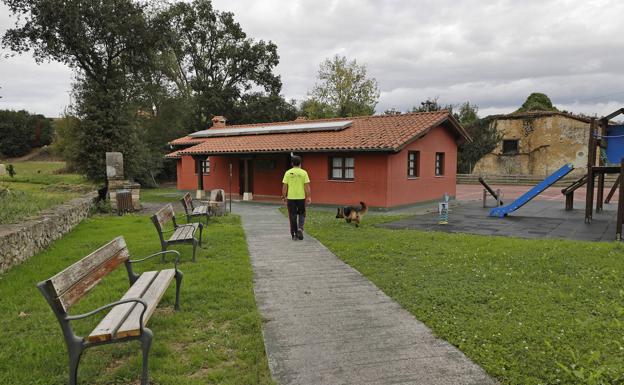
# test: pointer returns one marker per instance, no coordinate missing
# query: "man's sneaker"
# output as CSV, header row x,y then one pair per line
x,y
294,237
299,234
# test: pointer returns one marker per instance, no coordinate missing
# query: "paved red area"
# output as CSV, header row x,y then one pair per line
x,y
471,192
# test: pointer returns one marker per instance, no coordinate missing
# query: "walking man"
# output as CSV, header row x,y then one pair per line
x,y
296,190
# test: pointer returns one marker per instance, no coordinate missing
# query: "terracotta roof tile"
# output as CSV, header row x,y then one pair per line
x,y
372,133
174,155
185,141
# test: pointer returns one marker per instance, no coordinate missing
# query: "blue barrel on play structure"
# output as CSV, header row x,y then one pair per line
x,y
615,144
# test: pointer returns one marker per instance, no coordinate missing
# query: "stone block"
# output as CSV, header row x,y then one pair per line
x,y
2,169
114,165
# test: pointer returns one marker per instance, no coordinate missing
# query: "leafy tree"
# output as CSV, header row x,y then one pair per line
x,y
537,102
109,122
66,141
430,105
212,62
344,89
314,109
110,44
392,111
172,120
467,113
42,130
257,107
16,133
21,131
483,133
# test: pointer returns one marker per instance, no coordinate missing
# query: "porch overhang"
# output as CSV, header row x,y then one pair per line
x,y
269,152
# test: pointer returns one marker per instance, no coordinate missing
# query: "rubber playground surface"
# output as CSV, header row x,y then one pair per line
x,y
542,218
471,192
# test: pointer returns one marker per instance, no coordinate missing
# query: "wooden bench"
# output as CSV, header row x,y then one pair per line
x,y
127,317
192,211
181,233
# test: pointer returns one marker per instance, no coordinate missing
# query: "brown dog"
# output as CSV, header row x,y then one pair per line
x,y
352,213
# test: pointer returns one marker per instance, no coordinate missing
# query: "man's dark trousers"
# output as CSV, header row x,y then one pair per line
x,y
296,214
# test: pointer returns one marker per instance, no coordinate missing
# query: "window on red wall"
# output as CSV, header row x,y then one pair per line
x,y
413,164
205,166
341,168
439,163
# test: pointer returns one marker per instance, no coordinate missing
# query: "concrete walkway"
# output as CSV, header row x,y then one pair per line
x,y
324,323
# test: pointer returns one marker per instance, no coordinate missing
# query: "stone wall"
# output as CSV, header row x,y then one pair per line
x,y
20,241
545,143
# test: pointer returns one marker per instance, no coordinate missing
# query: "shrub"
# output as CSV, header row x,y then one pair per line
x,y
11,170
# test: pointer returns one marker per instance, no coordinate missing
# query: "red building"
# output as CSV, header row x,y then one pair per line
x,y
385,161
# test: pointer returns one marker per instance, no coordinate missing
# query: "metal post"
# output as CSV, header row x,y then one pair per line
x,y
620,212
230,181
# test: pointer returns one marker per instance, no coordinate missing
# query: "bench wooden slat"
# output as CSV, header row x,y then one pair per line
x,y
152,296
67,278
190,230
164,215
92,278
200,210
184,232
105,330
176,234
188,201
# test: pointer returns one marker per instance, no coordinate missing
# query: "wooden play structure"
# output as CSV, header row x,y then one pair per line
x,y
495,194
605,155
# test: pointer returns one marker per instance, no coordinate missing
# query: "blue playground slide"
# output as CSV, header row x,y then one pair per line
x,y
532,193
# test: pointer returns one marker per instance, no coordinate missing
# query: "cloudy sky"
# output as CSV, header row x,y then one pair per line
x,y
491,53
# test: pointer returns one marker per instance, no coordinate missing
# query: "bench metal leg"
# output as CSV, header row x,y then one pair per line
x,y
74,361
74,350
146,343
178,278
201,229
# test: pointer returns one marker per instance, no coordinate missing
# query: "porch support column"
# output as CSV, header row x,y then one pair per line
x,y
246,176
199,194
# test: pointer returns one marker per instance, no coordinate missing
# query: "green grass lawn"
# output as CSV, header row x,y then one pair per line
x,y
159,195
43,173
214,339
528,311
37,186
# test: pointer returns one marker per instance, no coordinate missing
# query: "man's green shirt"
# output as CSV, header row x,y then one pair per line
x,y
296,178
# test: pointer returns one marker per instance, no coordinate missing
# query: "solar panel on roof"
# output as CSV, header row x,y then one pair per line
x,y
277,129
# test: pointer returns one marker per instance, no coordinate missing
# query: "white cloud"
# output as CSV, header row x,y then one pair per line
x,y
493,53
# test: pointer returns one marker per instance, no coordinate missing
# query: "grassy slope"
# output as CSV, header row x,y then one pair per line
x,y
214,339
35,187
529,312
